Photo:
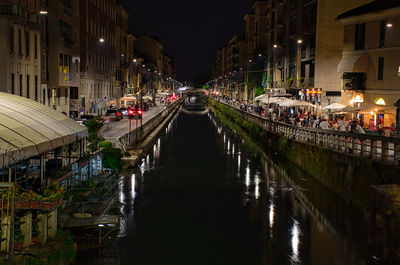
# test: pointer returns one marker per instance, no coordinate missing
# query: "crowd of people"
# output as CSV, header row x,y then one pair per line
x,y
306,119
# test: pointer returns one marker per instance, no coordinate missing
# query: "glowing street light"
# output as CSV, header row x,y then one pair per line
x,y
43,12
275,46
134,60
101,40
389,25
300,41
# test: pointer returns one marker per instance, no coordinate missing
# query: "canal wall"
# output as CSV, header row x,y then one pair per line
x,y
137,152
350,176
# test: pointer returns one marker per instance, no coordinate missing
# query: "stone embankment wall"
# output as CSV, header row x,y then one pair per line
x,y
350,176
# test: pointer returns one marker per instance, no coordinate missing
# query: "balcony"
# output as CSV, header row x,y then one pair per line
x,y
354,81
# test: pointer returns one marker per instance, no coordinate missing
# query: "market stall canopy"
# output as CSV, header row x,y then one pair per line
x,y
334,106
128,98
273,100
263,96
148,97
297,103
29,129
347,109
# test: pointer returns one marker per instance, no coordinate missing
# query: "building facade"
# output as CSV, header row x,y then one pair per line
x,y
61,67
329,51
151,51
20,50
370,66
100,58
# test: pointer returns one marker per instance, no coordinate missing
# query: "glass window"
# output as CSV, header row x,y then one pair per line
x,y
359,42
381,62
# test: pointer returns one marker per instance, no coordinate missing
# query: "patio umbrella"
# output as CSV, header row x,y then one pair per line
x,y
334,106
262,97
148,97
297,103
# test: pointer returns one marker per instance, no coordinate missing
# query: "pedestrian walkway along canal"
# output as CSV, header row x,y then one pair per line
x,y
204,195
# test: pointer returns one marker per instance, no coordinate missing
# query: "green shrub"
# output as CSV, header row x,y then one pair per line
x,y
112,158
105,144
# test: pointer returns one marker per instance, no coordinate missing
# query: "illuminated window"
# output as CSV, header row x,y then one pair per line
x,y
380,101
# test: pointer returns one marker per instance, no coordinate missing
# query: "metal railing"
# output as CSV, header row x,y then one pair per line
x,y
376,147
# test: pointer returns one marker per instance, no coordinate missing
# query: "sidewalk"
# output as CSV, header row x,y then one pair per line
x,y
117,129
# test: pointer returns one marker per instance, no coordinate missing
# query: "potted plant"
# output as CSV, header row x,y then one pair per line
x,y
52,195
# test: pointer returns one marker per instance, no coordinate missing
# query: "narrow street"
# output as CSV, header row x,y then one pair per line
x,y
118,128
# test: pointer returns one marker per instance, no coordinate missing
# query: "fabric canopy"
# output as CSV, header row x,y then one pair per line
x,y
347,63
28,129
297,103
334,106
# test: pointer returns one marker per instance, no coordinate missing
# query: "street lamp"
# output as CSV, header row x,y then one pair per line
x,y
43,12
101,40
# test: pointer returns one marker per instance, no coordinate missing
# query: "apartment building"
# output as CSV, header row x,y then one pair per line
x,y
61,55
20,51
99,50
370,64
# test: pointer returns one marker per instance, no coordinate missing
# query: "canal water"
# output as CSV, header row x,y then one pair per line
x,y
207,195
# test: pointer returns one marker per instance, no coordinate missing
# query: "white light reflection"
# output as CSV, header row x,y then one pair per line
x,y
295,241
133,187
229,146
257,187
148,161
122,222
143,167
121,191
233,149
271,215
239,163
224,138
248,176
219,130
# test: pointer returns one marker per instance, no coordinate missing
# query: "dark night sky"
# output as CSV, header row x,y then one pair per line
x,y
190,30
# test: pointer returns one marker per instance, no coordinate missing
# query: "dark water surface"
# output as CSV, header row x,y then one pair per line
x,y
205,196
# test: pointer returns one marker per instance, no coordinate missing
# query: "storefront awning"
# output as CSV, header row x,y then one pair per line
x,y
348,62
28,129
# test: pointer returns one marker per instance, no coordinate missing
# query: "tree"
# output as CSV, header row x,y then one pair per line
x,y
94,127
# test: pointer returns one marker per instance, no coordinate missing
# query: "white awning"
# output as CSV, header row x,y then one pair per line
x,y
28,129
346,65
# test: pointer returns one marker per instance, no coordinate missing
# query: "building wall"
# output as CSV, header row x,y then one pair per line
x,y
329,41
98,58
388,88
63,55
19,30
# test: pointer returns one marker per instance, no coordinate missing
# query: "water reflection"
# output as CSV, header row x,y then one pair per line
x,y
295,242
191,199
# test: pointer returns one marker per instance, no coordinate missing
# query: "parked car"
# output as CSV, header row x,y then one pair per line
x,y
124,111
113,114
84,118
